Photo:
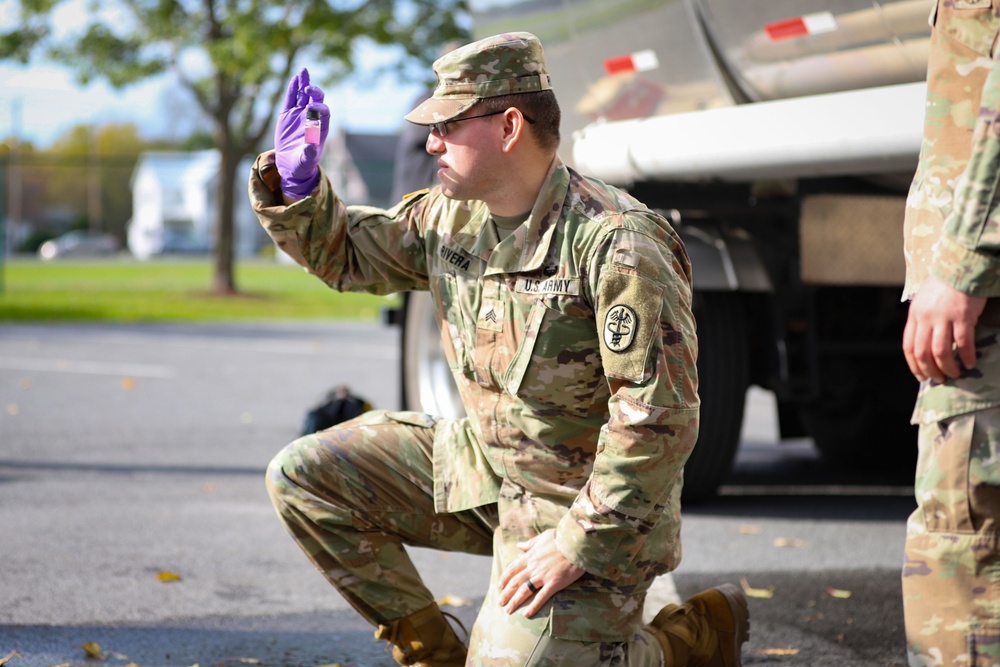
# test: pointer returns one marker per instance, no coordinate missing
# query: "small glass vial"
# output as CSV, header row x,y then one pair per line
x,y
312,126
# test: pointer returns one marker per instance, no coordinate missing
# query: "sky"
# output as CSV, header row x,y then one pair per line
x,y
41,102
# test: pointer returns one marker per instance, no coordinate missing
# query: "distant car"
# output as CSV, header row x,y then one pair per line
x,y
79,244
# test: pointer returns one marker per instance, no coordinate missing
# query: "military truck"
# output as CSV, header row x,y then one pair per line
x,y
780,137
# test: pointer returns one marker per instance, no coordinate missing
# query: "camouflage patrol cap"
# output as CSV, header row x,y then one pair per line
x,y
499,65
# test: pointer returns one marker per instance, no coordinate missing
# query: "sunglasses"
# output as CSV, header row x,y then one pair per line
x,y
441,128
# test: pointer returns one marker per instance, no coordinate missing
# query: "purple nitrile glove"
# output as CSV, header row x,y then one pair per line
x,y
297,161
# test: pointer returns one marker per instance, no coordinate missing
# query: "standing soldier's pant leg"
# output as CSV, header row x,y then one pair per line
x,y
951,578
353,495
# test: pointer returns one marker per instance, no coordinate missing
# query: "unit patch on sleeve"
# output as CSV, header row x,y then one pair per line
x,y
628,314
620,327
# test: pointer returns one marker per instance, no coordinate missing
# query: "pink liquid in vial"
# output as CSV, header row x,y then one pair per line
x,y
312,134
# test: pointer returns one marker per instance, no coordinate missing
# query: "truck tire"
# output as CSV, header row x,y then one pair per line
x,y
427,382
723,377
722,368
862,419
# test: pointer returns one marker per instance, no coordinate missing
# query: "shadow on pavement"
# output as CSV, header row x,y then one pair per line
x,y
294,640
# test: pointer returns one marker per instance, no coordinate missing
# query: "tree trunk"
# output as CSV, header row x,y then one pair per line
x,y
224,279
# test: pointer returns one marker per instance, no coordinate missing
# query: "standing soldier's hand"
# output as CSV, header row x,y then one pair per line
x,y
941,321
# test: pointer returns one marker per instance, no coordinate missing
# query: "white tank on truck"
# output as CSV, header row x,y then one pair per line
x,y
780,137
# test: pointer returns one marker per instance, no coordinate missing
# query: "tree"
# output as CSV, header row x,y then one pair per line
x,y
82,179
234,56
88,169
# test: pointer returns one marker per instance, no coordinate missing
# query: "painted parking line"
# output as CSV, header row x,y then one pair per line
x,y
833,490
86,367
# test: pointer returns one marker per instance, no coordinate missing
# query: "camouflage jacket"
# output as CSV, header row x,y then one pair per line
x,y
952,225
952,217
573,346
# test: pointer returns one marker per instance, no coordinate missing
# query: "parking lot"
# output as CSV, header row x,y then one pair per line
x,y
134,514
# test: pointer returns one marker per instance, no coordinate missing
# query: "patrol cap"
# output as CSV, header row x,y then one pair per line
x,y
499,65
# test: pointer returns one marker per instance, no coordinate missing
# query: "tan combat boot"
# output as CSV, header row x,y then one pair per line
x,y
708,630
424,638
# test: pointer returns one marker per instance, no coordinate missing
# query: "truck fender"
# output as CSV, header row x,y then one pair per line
x,y
724,262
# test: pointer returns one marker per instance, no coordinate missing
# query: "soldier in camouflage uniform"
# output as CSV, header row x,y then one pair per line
x,y
565,312
951,577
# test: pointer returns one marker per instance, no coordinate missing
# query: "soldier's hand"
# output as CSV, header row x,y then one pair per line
x,y
296,160
542,566
941,321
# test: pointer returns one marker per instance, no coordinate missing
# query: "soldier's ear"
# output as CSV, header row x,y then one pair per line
x,y
514,129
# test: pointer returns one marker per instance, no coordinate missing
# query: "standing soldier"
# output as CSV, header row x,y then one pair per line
x,y
951,578
565,313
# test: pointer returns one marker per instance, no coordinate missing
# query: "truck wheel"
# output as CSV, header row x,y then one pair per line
x,y
427,382
723,376
862,419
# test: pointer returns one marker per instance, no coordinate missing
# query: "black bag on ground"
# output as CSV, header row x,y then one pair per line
x,y
338,406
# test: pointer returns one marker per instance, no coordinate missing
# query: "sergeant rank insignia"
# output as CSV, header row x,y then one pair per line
x,y
620,327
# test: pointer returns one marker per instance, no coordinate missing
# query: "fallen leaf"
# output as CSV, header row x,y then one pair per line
x,y
756,592
128,383
750,530
454,601
93,650
65,664
4,660
838,593
12,409
777,651
788,542
168,576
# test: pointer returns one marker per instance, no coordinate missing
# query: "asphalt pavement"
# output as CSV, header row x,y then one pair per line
x,y
134,521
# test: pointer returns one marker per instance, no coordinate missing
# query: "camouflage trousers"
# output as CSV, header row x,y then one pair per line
x,y
352,496
951,577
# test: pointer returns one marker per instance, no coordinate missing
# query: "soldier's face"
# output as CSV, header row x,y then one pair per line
x,y
469,165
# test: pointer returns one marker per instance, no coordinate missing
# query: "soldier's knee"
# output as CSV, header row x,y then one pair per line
x,y
276,479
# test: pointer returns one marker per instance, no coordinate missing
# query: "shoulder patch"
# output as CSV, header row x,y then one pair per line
x,y
620,327
629,317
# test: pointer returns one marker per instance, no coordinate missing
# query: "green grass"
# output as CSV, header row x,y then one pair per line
x,y
171,291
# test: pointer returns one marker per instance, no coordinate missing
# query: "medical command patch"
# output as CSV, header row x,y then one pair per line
x,y
628,322
620,326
